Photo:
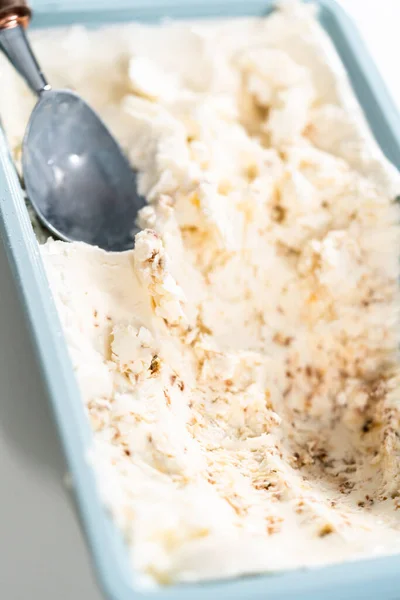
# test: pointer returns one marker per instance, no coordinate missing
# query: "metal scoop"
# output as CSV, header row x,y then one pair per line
x,y
76,176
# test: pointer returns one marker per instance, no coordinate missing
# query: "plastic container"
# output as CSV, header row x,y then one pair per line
x,y
367,579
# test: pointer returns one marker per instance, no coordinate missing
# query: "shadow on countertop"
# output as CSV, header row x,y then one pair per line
x,y
26,422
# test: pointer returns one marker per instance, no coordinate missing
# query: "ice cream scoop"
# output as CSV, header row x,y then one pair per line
x,y
77,178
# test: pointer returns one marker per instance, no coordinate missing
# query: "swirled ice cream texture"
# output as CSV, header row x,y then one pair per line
x,y
240,367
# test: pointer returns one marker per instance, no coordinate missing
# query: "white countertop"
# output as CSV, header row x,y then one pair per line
x,y
43,556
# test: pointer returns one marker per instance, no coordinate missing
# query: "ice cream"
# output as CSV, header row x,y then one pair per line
x,y
240,366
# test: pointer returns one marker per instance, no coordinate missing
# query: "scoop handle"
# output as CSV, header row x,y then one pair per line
x,y
10,8
14,17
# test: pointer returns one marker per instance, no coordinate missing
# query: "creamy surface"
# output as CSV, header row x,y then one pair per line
x,y
239,367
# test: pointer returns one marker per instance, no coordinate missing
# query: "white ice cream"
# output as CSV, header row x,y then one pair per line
x,y
240,367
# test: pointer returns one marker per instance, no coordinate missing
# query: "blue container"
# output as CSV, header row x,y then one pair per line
x,y
367,579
